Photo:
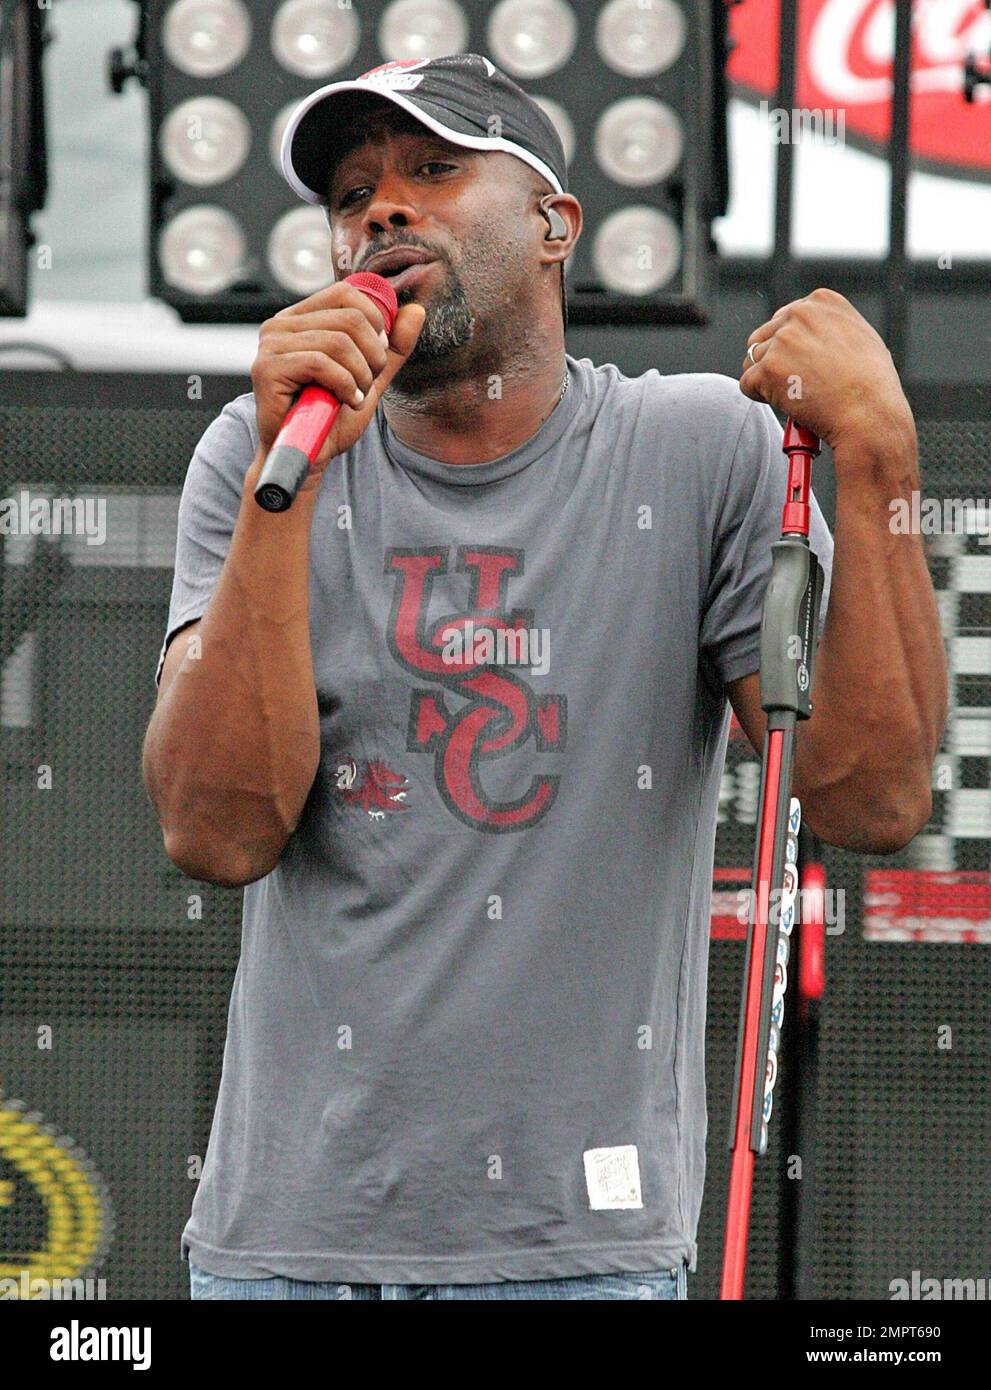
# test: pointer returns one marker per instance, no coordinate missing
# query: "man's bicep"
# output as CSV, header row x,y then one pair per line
x,y
208,511
744,696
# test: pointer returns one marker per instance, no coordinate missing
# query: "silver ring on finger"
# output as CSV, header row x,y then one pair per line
x,y
750,355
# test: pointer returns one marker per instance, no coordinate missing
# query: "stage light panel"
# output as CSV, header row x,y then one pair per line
x,y
631,87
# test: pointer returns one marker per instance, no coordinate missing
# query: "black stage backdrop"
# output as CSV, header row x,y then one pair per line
x,y
115,969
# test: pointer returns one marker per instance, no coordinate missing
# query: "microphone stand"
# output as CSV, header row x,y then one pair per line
x,y
797,1229
789,632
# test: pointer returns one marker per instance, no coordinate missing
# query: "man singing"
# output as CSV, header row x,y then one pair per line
x,y
457,719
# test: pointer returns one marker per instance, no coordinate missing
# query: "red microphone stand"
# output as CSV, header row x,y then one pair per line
x,y
789,631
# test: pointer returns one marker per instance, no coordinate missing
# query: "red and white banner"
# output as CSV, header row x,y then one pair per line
x,y
924,905
845,53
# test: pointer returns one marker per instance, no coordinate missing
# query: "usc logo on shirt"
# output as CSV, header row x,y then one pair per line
x,y
500,710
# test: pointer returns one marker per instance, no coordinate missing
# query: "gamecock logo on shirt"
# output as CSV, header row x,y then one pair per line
x,y
377,790
484,708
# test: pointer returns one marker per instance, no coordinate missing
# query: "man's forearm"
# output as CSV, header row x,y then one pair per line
x,y
880,693
234,742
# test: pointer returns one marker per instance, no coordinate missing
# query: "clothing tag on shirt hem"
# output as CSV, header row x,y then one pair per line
x,y
612,1177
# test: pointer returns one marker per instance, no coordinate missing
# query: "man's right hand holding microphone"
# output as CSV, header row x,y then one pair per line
x,y
337,339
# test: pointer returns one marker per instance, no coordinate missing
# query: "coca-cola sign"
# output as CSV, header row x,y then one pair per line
x,y
846,51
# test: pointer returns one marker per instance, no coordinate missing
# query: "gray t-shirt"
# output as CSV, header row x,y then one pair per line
x,y
465,1039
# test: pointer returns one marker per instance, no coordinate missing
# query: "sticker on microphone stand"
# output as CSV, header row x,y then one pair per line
x,y
789,885
780,983
794,816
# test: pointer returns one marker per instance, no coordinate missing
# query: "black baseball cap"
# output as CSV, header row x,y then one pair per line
x,y
463,97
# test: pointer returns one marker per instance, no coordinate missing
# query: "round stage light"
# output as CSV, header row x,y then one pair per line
x,y
205,140
530,38
414,29
636,250
299,251
202,250
640,38
206,37
314,37
638,141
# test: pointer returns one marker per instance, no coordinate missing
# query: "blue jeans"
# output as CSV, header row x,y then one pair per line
x,y
664,1283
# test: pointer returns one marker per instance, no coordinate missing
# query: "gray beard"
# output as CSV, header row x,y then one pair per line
x,y
449,323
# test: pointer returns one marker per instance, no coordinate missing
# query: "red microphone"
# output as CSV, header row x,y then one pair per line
x,y
310,418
